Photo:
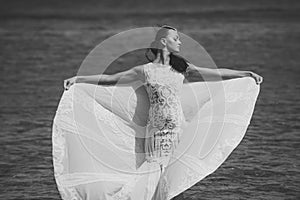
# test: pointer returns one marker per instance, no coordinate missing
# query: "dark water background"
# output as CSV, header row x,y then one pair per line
x,y
44,42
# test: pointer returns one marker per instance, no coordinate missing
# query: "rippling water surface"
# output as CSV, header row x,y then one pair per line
x,y
40,48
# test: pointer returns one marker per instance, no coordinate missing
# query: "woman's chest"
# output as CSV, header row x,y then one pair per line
x,y
162,77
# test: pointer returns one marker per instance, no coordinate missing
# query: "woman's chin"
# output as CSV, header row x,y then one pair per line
x,y
176,51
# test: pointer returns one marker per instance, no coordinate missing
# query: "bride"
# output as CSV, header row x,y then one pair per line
x,y
167,155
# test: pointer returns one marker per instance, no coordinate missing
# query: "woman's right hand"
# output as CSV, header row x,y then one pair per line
x,y
258,79
69,82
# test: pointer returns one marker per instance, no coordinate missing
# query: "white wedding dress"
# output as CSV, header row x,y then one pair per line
x,y
148,141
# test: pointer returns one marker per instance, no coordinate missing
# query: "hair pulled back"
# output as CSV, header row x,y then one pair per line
x,y
177,62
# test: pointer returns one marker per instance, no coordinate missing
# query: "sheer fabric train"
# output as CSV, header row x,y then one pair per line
x,y
98,139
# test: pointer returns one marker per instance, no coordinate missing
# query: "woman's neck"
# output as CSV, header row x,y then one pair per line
x,y
162,57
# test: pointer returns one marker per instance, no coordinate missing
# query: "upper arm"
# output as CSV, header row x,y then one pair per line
x,y
131,75
195,73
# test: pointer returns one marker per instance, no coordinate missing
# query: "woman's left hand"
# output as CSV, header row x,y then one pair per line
x,y
69,82
258,79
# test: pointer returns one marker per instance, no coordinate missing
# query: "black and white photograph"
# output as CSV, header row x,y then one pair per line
x,y
149,100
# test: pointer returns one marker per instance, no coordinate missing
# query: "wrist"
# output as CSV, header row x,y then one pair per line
x,y
78,79
248,74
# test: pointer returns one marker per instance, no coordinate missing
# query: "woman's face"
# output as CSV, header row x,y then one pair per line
x,y
172,41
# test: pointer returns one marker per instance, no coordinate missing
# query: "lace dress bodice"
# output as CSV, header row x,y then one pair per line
x,y
163,85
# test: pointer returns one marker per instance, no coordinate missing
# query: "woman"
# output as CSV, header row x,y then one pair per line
x,y
163,79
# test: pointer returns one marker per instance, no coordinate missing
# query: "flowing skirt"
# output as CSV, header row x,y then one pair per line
x,y
99,139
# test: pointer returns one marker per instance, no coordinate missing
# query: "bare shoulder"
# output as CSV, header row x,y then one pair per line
x,y
189,70
191,67
139,70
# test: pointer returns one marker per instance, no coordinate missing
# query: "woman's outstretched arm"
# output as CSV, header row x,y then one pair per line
x,y
131,75
205,74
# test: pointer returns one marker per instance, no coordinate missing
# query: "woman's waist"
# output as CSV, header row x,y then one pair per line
x,y
162,120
